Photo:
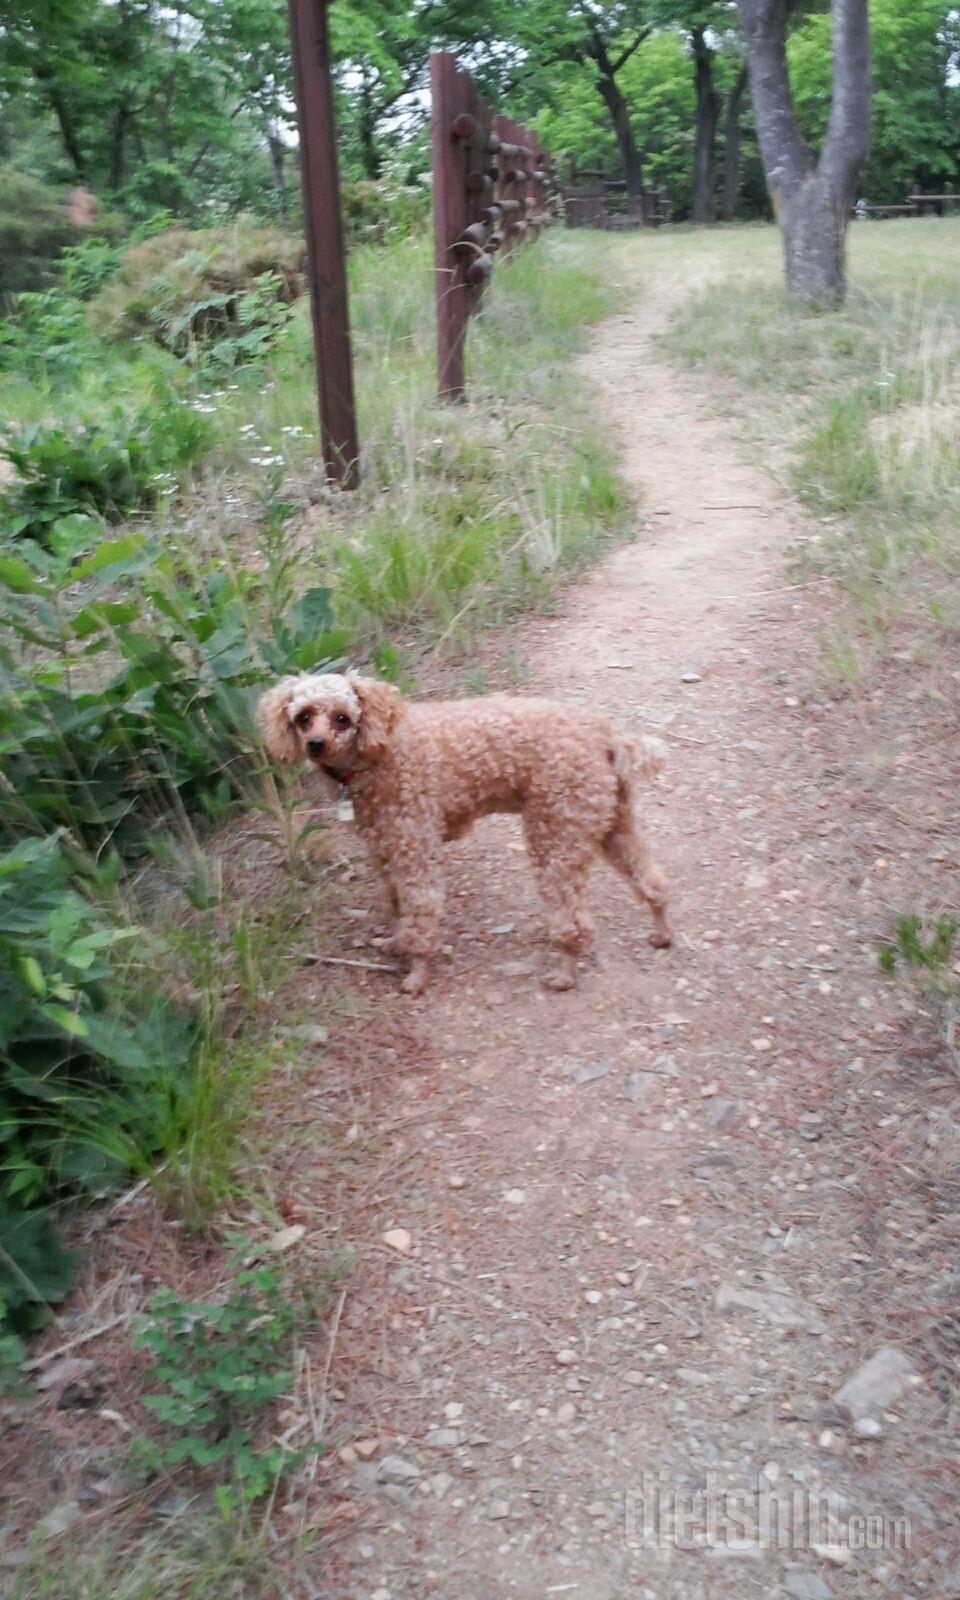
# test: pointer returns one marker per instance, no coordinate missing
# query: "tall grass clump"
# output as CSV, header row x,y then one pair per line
x,y
465,512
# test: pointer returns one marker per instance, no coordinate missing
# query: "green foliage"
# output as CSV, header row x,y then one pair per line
x,y
160,106
920,952
916,98
86,1082
34,229
86,267
214,285
109,467
167,734
46,339
657,84
220,1365
377,211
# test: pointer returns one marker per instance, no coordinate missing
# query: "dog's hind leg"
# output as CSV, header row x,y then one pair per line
x,y
561,864
625,849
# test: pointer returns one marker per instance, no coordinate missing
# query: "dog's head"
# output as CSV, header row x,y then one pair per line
x,y
340,723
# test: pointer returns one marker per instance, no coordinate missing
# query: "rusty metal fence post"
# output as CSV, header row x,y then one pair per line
x,y
490,190
313,88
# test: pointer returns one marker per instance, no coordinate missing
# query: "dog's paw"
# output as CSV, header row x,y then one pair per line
x,y
660,941
562,975
416,979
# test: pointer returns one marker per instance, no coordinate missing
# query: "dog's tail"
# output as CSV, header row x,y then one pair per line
x,y
642,757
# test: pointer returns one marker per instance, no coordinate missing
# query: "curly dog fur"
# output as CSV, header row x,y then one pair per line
x,y
421,773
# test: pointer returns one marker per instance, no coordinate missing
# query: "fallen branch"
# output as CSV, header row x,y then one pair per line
x,y
348,961
72,1344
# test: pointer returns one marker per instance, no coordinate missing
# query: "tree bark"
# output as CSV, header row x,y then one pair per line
x,y
367,130
630,159
732,134
277,153
65,122
705,136
811,199
116,147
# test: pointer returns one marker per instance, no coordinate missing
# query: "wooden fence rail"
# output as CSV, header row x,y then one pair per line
x,y
491,190
912,207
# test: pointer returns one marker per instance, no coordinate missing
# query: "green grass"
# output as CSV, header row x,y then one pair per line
x,y
858,408
465,512
196,1555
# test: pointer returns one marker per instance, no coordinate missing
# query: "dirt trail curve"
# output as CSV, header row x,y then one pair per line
x,y
644,1233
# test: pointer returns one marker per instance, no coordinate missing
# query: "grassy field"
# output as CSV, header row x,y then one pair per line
x,y
857,409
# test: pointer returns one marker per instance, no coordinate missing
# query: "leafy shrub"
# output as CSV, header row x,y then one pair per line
x,y
85,268
86,1084
34,229
46,338
383,209
187,286
167,733
252,324
220,1366
109,466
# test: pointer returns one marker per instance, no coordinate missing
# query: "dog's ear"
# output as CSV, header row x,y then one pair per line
x,y
276,730
380,708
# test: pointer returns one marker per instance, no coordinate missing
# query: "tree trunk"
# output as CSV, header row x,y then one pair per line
x,y
277,153
813,225
630,160
116,148
65,122
732,133
705,138
612,97
369,154
811,199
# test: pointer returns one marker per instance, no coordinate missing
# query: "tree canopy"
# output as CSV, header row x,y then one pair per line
x,y
186,106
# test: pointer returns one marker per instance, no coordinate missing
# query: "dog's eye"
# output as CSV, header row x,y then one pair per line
x,y
303,718
342,720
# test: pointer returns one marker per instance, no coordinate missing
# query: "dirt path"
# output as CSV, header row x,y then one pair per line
x,y
656,1222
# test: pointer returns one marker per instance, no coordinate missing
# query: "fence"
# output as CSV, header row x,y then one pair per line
x,y
313,91
914,206
603,201
491,191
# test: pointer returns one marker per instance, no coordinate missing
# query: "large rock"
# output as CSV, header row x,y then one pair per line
x,y
393,1469
878,1383
772,1303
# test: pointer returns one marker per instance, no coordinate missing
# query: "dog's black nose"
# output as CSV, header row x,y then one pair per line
x,y
316,747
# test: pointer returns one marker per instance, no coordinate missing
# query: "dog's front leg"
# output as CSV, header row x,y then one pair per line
x,y
420,905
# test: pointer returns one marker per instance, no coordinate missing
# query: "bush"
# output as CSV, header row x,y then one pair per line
x,y
108,467
34,228
86,1083
168,734
184,287
47,338
384,209
220,1365
85,268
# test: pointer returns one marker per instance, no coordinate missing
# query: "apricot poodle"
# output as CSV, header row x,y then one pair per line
x,y
419,774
